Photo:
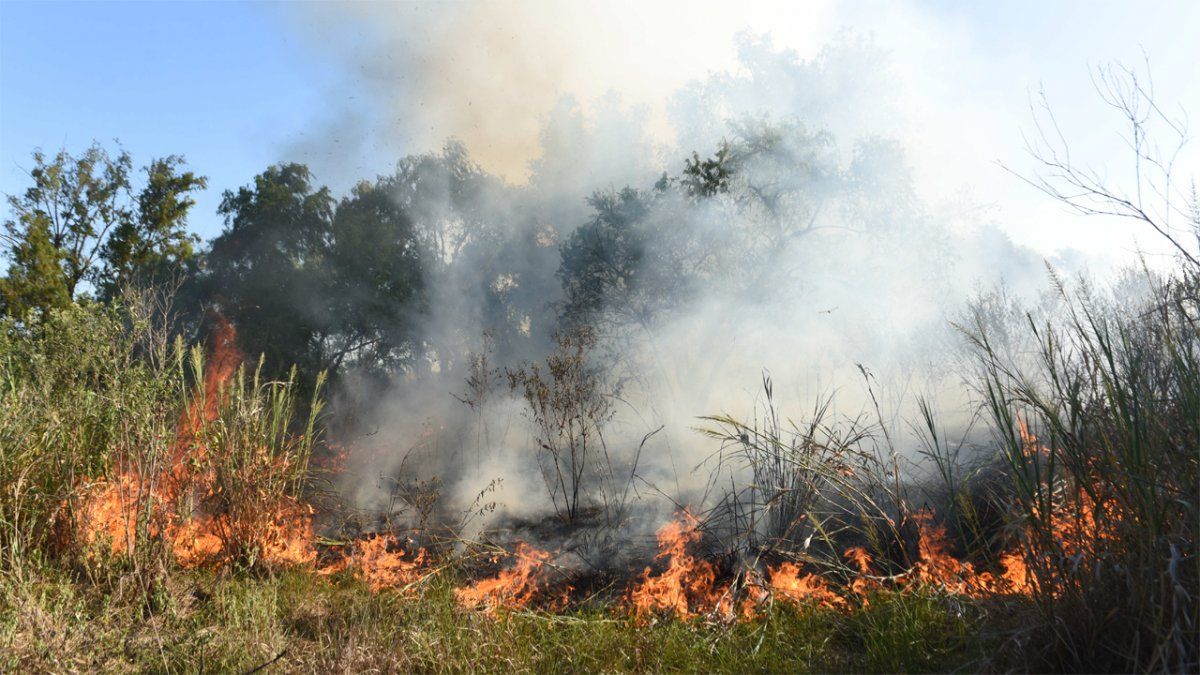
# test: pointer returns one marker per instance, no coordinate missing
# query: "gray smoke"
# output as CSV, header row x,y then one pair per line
x,y
818,256
821,261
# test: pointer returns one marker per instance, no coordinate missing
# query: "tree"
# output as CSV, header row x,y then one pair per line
x,y
488,259
156,241
81,213
1156,198
569,406
729,224
602,259
375,281
35,280
267,270
708,177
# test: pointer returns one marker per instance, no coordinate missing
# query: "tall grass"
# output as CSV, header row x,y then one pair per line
x,y
114,438
78,404
255,464
1093,480
805,490
1096,427
1104,502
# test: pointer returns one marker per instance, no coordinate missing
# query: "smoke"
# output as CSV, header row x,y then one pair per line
x,y
825,258
489,74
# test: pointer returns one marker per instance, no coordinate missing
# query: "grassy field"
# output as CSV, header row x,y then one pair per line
x,y
301,622
155,517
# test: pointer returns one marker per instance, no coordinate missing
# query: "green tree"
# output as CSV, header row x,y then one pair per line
x,y
267,272
375,279
81,213
485,250
602,260
729,223
156,241
708,177
35,280
78,200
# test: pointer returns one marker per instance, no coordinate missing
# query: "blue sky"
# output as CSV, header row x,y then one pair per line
x,y
235,86
224,84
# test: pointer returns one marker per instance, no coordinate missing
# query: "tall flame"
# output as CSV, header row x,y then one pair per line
x,y
687,584
111,508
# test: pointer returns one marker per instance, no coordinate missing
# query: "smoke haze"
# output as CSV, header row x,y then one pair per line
x,y
851,234
843,265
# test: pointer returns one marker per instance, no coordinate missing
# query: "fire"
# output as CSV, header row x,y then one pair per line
x,y
1015,577
514,587
859,556
687,584
1079,524
222,362
172,502
333,460
110,514
195,543
381,562
937,567
790,582
288,536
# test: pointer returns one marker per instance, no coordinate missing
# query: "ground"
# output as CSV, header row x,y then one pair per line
x,y
297,621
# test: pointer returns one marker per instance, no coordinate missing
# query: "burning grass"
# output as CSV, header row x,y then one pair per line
x,y
139,509
337,624
228,487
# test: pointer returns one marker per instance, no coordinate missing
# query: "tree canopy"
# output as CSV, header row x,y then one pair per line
x,y
81,228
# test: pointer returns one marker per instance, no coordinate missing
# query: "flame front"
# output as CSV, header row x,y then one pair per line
x,y
513,587
687,584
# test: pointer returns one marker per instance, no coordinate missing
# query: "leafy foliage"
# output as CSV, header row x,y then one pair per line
x,y
375,278
155,243
35,282
265,271
81,216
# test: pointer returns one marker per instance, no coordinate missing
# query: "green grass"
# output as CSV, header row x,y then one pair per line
x,y
233,623
1113,395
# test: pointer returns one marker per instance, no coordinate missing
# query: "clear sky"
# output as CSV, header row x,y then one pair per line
x,y
225,84
237,86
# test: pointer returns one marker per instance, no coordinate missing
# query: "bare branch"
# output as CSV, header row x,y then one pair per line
x,y
1155,196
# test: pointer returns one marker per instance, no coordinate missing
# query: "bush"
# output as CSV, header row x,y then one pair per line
x,y
78,404
568,408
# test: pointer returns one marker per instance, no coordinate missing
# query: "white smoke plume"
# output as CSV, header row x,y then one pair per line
x,y
831,247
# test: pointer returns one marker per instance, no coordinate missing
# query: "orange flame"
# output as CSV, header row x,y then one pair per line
x,y
381,562
1015,577
514,587
109,512
793,584
685,587
687,584
937,567
110,508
